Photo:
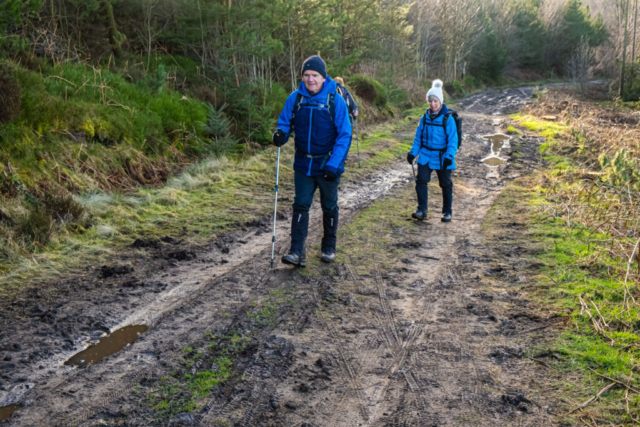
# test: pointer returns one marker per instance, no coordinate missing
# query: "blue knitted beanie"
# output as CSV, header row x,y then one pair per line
x,y
315,63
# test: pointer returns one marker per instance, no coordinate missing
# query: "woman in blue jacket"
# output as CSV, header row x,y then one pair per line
x,y
435,146
320,121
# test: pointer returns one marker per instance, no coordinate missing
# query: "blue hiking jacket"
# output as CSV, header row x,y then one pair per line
x,y
443,145
315,132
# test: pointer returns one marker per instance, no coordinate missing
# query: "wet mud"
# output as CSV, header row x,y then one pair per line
x,y
108,345
437,338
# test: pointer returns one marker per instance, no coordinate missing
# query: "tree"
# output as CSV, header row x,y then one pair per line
x,y
489,57
624,47
575,24
580,63
115,37
529,34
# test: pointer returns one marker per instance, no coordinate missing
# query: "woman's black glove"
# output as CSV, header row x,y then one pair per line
x,y
280,138
447,163
410,158
330,176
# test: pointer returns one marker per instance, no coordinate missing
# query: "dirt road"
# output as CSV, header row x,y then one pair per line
x,y
420,330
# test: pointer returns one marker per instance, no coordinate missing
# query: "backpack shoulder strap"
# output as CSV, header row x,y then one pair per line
x,y
445,119
424,129
331,104
296,107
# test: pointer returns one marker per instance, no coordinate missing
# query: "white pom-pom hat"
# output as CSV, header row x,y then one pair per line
x,y
436,90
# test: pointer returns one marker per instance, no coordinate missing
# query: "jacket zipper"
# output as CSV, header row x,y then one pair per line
x,y
309,141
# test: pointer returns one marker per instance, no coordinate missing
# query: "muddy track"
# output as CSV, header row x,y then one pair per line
x,y
416,353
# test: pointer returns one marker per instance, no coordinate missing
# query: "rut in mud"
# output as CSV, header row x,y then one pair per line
x,y
419,337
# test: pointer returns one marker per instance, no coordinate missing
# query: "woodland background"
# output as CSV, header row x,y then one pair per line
x,y
111,95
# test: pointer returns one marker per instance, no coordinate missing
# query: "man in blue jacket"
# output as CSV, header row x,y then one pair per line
x,y
435,145
320,121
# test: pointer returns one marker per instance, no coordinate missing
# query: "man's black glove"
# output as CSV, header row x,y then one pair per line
x,y
410,158
447,163
280,138
330,176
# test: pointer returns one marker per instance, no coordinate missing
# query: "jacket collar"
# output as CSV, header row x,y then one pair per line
x,y
443,110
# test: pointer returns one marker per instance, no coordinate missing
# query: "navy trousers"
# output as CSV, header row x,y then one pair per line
x,y
422,187
305,187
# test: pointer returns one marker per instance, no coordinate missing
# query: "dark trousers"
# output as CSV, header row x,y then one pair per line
x,y
422,187
305,187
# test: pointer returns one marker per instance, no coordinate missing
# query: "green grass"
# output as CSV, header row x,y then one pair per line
x,y
209,361
208,198
573,264
84,122
186,392
366,242
264,312
513,131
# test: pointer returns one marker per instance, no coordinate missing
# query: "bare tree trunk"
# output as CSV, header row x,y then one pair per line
x,y
292,59
203,57
115,37
635,22
624,49
233,54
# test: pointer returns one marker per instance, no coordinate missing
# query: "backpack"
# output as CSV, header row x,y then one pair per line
x,y
339,89
331,106
458,121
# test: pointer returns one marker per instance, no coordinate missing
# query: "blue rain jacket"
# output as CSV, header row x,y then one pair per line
x,y
443,145
315,133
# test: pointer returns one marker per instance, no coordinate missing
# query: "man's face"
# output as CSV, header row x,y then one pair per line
x,y
434,103
313,81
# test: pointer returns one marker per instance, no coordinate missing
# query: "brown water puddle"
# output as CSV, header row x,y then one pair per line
x,y
7,411
108,345
497,141
494,161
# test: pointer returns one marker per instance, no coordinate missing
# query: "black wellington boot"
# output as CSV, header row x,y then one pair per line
x,y
329,240
299,230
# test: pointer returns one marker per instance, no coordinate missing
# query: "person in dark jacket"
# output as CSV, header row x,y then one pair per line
x,y
320,121
435,147
351,103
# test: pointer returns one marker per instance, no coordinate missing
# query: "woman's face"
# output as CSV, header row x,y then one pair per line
x,y
434,103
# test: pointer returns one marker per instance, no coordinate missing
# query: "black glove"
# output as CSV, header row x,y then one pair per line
x,y
447,163
330,176
410,158
280,138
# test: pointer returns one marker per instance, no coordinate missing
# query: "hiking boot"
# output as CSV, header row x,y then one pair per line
x,y
293,258
446,217
419,215
328,256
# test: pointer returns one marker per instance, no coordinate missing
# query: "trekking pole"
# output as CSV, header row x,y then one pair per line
x,y
413,169
355,120
275,210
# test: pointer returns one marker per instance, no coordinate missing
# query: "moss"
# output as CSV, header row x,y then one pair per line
x,y
369,89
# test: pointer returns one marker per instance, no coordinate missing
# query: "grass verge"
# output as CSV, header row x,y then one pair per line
x,y
209,198
583,269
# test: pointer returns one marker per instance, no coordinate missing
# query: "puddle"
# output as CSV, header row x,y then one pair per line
x,y
497,141
494,161
108,345
7,411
